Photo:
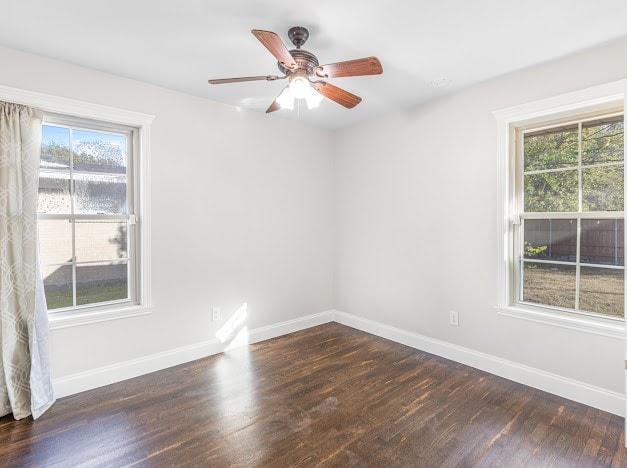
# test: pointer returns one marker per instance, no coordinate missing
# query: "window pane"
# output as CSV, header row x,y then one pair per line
x,y
54,193
551,149
101,283
100,194
55,241
99,152
55,147
549,284
551,191
602,241
602,290
97,241
554,239
57,286
602,141
603,188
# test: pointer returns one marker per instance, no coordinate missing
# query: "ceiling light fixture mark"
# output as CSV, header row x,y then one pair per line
x,y
440,82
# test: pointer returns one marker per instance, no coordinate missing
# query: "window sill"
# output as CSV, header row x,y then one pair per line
x,y
74,318
598,326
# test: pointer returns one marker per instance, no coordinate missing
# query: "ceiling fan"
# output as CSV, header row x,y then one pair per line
x,y
306,77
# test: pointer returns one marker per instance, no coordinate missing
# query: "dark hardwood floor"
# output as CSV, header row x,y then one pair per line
x,y
329,396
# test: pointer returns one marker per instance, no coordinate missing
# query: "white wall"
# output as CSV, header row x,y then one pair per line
x,y
241,212
416,218
393,220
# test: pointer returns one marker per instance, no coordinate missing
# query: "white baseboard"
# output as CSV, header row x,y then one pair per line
x,y
106,375
581,392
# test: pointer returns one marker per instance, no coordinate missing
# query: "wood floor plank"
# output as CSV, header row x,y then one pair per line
x,y
327,396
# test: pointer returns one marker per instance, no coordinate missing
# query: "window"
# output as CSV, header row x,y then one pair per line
x,y
73,206
569,216
87,214
561,217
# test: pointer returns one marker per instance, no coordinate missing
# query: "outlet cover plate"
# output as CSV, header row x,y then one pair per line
x,y
454,318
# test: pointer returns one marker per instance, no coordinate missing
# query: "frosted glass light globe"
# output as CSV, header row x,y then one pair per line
x,y
299,87
286,99
313,98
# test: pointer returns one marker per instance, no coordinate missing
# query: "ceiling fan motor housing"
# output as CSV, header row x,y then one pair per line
x,y
306,61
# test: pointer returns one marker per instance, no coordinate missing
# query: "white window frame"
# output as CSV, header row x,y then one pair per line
x,y
141,190
573,105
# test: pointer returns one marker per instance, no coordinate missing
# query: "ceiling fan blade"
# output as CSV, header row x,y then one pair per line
x,y
275,45
357,67
246,78
275,106
336,94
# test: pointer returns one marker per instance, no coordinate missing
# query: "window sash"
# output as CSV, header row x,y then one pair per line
x,y
130,217
518,261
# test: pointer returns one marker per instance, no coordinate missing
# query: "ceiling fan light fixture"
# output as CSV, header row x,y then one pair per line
x,y
299,67
313,98
286,99
299,86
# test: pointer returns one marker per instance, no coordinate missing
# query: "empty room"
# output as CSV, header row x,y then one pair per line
x,y
273,234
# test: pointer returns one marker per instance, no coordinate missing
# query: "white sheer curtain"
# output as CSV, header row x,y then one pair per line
x,y
25,383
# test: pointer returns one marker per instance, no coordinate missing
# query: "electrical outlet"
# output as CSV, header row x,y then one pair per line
x,y
453,318
215,314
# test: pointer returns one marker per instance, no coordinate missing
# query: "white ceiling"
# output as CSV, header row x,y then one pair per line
x,y
180,44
